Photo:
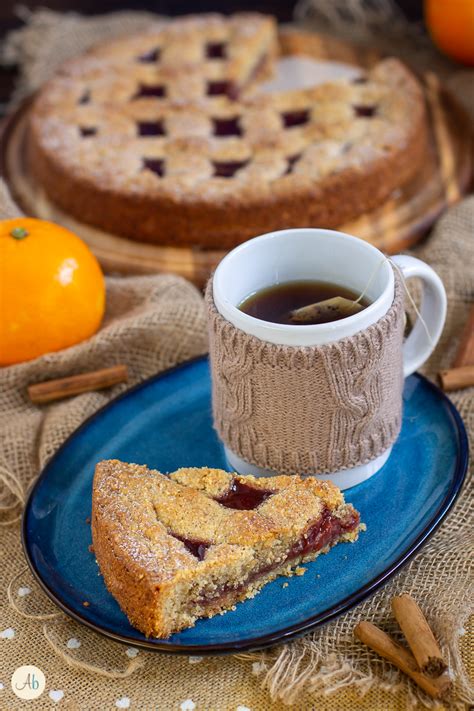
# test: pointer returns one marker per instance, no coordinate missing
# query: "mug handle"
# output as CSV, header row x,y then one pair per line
x,y
418,346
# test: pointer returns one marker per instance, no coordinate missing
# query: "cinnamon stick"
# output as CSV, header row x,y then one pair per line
x,y
465,355
457,378
461,375
51,390
419,636
402,658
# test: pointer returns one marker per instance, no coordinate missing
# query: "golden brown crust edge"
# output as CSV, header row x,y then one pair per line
x,y
136,597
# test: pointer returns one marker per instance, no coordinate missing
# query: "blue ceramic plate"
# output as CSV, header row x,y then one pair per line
x,y
166,423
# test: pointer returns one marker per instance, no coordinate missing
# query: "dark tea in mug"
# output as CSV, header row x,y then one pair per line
x,y
280,302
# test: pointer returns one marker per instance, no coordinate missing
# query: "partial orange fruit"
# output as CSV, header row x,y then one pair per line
x,y
451,26
52,290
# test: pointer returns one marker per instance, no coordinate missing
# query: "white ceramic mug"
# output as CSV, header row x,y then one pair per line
x,y
326,255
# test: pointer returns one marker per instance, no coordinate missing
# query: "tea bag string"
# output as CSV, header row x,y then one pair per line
x,y
405,287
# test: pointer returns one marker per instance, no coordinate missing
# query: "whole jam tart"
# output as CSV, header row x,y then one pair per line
x,y
176,548
168,137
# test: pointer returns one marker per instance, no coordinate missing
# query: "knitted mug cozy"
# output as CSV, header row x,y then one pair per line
x,y
313,409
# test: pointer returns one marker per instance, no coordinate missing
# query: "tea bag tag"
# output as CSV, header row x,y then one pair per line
x,y
337,307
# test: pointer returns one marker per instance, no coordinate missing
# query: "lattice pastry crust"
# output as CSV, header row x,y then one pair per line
x,y
167,137
192,544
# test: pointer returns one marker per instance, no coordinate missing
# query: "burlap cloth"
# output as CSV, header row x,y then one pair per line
x,y
152,323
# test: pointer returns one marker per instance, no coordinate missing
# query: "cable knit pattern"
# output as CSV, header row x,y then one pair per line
x,y
312,409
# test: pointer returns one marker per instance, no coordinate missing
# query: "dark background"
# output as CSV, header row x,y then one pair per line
x,y
282,9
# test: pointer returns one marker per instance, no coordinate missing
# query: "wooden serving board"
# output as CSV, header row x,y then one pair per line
x,y
397,224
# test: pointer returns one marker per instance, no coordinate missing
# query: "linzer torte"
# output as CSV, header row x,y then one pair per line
x,y
175,548
169,137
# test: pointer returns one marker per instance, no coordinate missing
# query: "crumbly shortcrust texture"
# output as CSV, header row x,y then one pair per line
x,y
142,521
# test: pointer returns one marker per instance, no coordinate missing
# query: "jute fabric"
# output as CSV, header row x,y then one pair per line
x,y
151,323
308,410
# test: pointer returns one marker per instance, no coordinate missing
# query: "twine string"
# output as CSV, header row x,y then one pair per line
x,y
11,600
132,666
13,488
395,266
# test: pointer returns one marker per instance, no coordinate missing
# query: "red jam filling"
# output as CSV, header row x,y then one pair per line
x,y
295,118
197,548
220,87
243,497
216,50
227,169
325,531
365,111
156,165
151,128
227,126
151,90
87,131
